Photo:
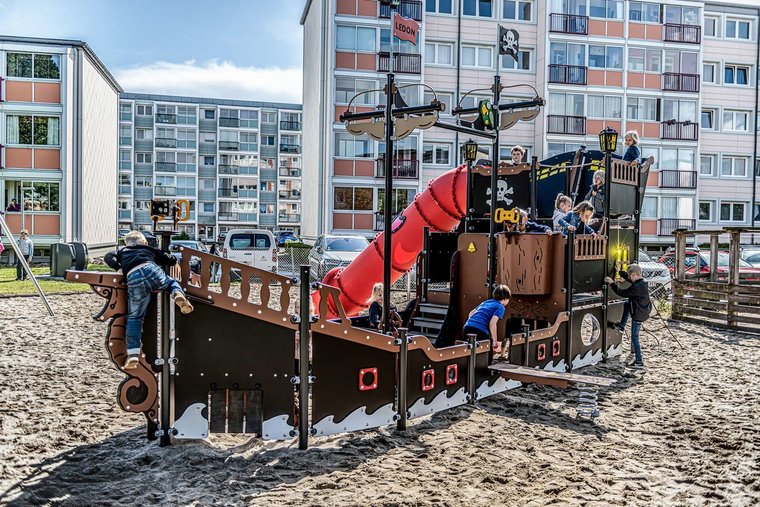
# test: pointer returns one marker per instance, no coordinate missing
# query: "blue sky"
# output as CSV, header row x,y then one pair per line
x,y
247,49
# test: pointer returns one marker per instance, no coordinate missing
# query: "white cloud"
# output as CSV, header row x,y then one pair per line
x,y
214,79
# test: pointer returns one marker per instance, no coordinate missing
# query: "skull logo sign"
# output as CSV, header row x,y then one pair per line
x,y
502,192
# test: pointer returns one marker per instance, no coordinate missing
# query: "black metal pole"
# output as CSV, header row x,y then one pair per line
x,y
165,337
388,201
569,276
472,340
403,379
607,228
468,214
494,186
533,189
526,350
303,360
425,275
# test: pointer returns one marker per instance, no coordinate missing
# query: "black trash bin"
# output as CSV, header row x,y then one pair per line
x,y
62,257
81,256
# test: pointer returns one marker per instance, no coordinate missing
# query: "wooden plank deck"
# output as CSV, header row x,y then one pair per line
x,y
552,378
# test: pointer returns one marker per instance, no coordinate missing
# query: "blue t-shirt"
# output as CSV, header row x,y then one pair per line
x,y
483,313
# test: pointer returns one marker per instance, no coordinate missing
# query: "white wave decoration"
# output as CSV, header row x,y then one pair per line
x,y
499,386
356,420
276,428
192,424
560,366
439,403
615,350
589,358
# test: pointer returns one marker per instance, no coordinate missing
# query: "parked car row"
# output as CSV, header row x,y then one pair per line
x,y
698,262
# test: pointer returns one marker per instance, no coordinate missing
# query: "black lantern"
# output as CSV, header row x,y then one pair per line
x,y
470,151
608,140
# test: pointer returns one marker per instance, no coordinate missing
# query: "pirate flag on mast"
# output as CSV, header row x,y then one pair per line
x,y
509,42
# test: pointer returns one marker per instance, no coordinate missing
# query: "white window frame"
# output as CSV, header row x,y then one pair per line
x,y
435,144
436,45
716,73
656,207
733,158
355,48
446,97
605,113
531,61
517,19
659,13
712,217
713,165
477,48
732,204
718,26
437,12
607,47
638,108
734,113
715,112
738,20
736,67
494,7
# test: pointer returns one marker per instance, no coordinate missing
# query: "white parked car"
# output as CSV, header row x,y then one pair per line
x,y
655,273
255,247
751,255
333,251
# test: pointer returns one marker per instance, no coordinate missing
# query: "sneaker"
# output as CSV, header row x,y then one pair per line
x,y
634,364
184,305
131,362
617,326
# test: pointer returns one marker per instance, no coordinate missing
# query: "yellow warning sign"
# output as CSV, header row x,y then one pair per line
x,y
471,248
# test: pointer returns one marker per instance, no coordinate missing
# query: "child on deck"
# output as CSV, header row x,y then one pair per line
x,y
140,265
482,320
375,306
638,306
577,219
562,207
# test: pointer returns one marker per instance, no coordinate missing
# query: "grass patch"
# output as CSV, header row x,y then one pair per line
x,y
10,287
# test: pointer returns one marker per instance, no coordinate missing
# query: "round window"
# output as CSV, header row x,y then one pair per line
x,y
590,329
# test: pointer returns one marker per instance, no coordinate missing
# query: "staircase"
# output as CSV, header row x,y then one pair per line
x,y
429,319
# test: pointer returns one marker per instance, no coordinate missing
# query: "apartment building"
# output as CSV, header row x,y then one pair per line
x,y
628,65
58,139
237,162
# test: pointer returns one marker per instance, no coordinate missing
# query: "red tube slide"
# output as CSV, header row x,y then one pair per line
x,y
441,207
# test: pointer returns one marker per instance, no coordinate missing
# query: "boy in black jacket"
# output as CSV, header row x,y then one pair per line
x,y
140,265
638,306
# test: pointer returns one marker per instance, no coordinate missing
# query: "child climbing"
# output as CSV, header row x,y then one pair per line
x,y
638,306
483,319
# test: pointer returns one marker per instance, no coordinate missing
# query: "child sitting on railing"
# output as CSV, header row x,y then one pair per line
x,y
140,265
577,220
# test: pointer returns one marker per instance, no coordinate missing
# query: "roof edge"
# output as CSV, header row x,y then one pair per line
x,y
305,12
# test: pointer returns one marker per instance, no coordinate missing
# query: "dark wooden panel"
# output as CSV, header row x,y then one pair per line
x,y
235,411
218,412
254,414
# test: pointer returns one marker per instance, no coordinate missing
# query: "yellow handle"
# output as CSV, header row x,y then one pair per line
x,y
184,206
503,215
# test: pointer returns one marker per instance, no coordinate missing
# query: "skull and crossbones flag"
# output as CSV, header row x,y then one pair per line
x,y
509,42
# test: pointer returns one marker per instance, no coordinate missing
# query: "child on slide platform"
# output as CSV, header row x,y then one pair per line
x,y
140,265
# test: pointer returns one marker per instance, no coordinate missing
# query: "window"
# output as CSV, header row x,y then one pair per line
x,y
125,134
445,97
471,101
147,134
609,9
125,159
249,119
605,57
505,153
707,120
711,26
346,145
524,61
33,130
166,156
480,8
681,15
208,161
125,111
186,115
125,179
649,60
439,53
39,196
734,166
165,109
710,73
736,75
439,6
347,87
567,54
649,209
400,197
143,181
143,158
684,62
209,114
680,110
706,211
208,207
640,108
186,162
268,140
436,153
186,138
186,186
355,38
678,159
353,199
737,29
249,141
735,121
566,104
477,56
644,11
517,10
707,165
732,211
35,66
144,110
268,117
605,106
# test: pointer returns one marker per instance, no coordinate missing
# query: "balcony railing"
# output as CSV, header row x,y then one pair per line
x,y
227,192
228,217
290,125
675,32
229,169
166,142
292,172
166,118
568,23
289,194
680,130
403,63
229,122
167,167
680,82
558,124
403,168
165,191
125,189
407,8
668,225
567,74
291,218
229,145
289,148
678,179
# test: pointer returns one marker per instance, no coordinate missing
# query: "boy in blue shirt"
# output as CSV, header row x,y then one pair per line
x,y
482,320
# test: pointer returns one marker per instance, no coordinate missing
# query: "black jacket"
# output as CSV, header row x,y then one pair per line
x,y
375,314
596,200
638,296
129,257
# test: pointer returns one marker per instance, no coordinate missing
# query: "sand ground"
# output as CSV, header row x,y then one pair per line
x,y
684,432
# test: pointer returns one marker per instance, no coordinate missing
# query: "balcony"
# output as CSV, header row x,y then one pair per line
x,y
166,167
690,34
160,190
407,8
567,74
290,172
680,130
228,192
289,218
166,142
229,122
403,63
290,194
403,168
574,125
289,148
125,190
680,82
668,225
229,145
229,169
568,23
228,217
125,214
678,179
290,125
166,118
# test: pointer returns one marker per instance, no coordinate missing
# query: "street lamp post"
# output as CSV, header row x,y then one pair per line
x,y
470,150
608,144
